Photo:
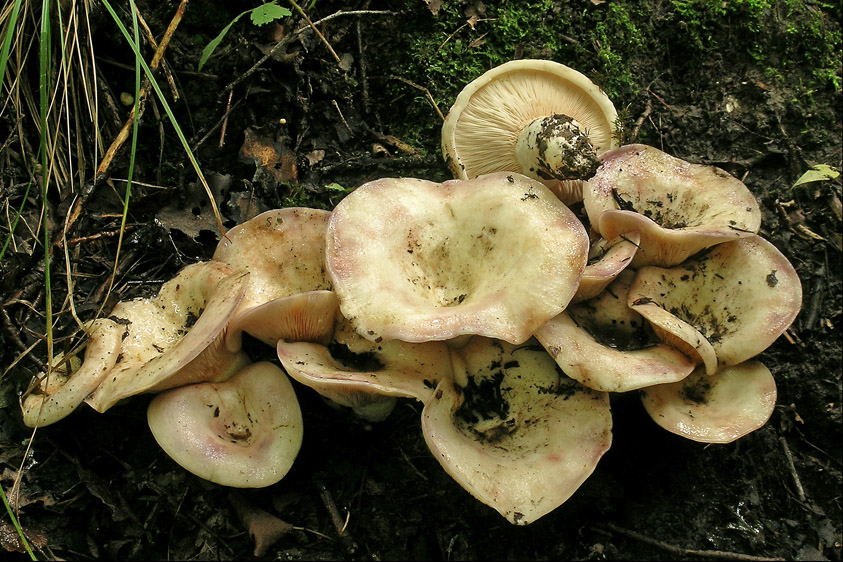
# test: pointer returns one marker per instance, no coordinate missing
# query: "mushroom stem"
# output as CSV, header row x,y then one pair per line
x,y
556,147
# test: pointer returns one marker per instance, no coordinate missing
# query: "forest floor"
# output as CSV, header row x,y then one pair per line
x,y
283,116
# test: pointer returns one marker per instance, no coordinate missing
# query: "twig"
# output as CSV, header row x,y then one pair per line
x,y
718,554
340,524
342,118
421,88
313,27
800,491
637,127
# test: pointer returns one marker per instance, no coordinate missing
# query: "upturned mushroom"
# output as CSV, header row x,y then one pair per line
x,y
717,408
512,432
177,336
64,387
678,208
284,252
535,117
739,297
606,260
607,346
415,260
244,432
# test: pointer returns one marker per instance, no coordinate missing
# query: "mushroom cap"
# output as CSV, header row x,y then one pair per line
x,y
740,296
305,316
56,401
284,251
678,207
606,260
414,260
604,344
512,432
244,432
482,129
718,408
355,372
177,336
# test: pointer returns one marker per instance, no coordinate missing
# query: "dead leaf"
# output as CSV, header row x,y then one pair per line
x,y
273,156
434,6
264,528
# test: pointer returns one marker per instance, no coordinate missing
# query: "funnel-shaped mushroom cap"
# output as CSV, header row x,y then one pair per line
x,y
354,372
305,316
535,117
414,260
717,408
177,336
511,432
679,208
740,296
606,260
244,432
62,391
605,345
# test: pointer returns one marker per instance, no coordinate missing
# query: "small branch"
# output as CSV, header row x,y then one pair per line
x,y
313,27
712,554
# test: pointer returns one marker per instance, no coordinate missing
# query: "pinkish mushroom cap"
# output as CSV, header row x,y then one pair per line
x,y
740,296
605,345
415,260
718,408
534,117
244,432
678,207
61,391
176,337
365,376
513,433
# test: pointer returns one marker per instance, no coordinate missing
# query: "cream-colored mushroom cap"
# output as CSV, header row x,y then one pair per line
x,y
284,252
718,408
606,260
512,432
535,117
740,296
366,376
679,208
61,390
415,260
605,345
244,432
177,336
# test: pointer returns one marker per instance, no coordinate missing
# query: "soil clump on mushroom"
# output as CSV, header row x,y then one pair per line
x,y
303,127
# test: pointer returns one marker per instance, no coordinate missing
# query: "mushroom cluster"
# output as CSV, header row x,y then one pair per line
x,y
510,304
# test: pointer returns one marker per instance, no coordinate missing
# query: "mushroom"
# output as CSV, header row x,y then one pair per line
x,y
284,251
535,117
512,432
606,260
63,388
717,408
244,432
607,346
679,208
415,260
365,376
176,337
739,296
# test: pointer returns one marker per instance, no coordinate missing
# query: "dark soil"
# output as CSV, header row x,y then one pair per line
x,y
97,486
